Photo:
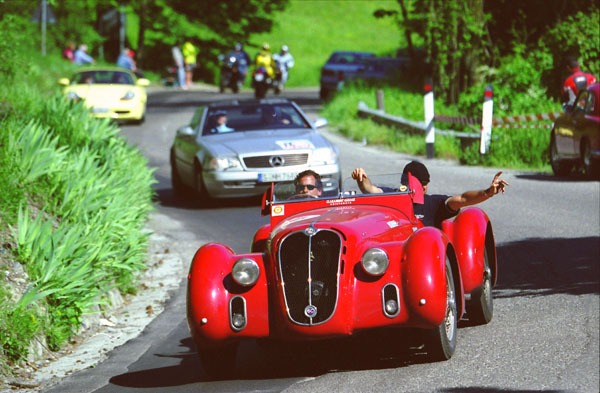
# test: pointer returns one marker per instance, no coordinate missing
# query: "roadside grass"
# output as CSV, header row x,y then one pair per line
x,y
75,201
314,29
517,148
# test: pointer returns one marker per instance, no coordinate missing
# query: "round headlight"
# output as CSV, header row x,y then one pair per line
x,y
245,272
375,261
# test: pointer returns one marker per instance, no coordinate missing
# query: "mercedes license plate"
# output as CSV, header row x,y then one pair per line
x,y
275,176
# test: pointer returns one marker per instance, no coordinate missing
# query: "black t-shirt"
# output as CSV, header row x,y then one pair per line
x,y
433,211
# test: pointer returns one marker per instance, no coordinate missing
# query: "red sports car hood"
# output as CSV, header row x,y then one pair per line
x,y
364,221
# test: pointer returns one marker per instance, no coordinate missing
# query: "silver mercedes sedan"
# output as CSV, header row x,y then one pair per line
x,y
238,148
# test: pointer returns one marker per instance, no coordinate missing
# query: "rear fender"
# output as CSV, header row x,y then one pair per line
x,y
424,276
209,291
467,232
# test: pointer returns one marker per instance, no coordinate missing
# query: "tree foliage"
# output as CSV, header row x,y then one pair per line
x,y
475,41
214,26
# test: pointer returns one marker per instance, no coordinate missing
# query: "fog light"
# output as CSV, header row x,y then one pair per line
x,y
238,321
391,307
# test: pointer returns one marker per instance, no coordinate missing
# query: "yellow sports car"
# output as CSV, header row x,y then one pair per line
x,y
115,93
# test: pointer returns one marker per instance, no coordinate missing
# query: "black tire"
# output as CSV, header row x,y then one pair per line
x,y
440,342
481,306
590,166
559,167
219,363
260,91
179,189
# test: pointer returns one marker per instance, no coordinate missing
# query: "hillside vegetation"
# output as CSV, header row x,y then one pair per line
x,y
75,200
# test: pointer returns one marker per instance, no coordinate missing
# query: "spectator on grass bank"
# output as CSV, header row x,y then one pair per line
x,y
69,51
81,57
179,64
577,81
189,56
125,60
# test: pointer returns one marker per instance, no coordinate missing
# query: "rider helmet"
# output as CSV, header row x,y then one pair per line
x,y
266,46
239,46
284,48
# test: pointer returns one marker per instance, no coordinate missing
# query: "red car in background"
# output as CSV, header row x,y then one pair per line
x,y
575,138
334,266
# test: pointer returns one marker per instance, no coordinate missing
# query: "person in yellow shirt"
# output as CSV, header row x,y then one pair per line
x,y
190,52
265,59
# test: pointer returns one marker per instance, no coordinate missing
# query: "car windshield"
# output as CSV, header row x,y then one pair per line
x,y
349,58
286,191
252,117
102,77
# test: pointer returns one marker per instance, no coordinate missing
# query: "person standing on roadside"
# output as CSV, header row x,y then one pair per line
x,y
125,60
179,64
80,57
577,81
190,52
69,52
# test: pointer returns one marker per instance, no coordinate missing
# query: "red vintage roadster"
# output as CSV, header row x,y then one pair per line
x,y
334,266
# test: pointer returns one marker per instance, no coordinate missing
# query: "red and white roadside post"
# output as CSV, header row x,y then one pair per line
x,y
486,119
429,115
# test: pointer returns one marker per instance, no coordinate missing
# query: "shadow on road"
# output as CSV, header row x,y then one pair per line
x,y
549,266
262,364
577,177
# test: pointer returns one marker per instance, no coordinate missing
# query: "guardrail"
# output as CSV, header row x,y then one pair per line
x,y
484,134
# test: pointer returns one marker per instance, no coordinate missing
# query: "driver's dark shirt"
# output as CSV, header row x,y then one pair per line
x,y
433,211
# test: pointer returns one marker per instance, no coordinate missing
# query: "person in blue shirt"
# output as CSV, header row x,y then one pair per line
x,y
81,57
124,60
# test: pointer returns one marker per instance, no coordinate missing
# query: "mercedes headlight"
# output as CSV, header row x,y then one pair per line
x,y
73,96
375,261
245,272
223,163
128,96
324,156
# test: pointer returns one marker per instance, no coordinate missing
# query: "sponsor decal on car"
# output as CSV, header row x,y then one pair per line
x,y
277,210
343,201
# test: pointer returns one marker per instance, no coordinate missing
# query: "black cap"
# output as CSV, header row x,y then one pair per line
x,y
418,170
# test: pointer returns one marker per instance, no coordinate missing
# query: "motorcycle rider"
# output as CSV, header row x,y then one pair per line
x,y
265,59
242,58
286,61
577,81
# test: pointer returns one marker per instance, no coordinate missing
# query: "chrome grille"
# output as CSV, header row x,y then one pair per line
x,y
264,161
309,266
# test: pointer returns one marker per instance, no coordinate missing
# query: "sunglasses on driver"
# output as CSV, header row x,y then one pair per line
x,y
300,187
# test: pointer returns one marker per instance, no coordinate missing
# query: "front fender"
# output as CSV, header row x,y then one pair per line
x,y
424,276
259,243
209,291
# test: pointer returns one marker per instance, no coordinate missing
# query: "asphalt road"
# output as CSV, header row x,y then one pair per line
x,y
544,336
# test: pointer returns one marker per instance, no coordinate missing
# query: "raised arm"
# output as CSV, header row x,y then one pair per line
x,y
469,198
364,183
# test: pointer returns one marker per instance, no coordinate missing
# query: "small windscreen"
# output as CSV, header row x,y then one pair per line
x,y
102,77
257,117
349,58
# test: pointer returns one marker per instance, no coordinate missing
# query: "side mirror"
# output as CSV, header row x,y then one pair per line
x,y
63,82
320,122
265,206
143,82
185,131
